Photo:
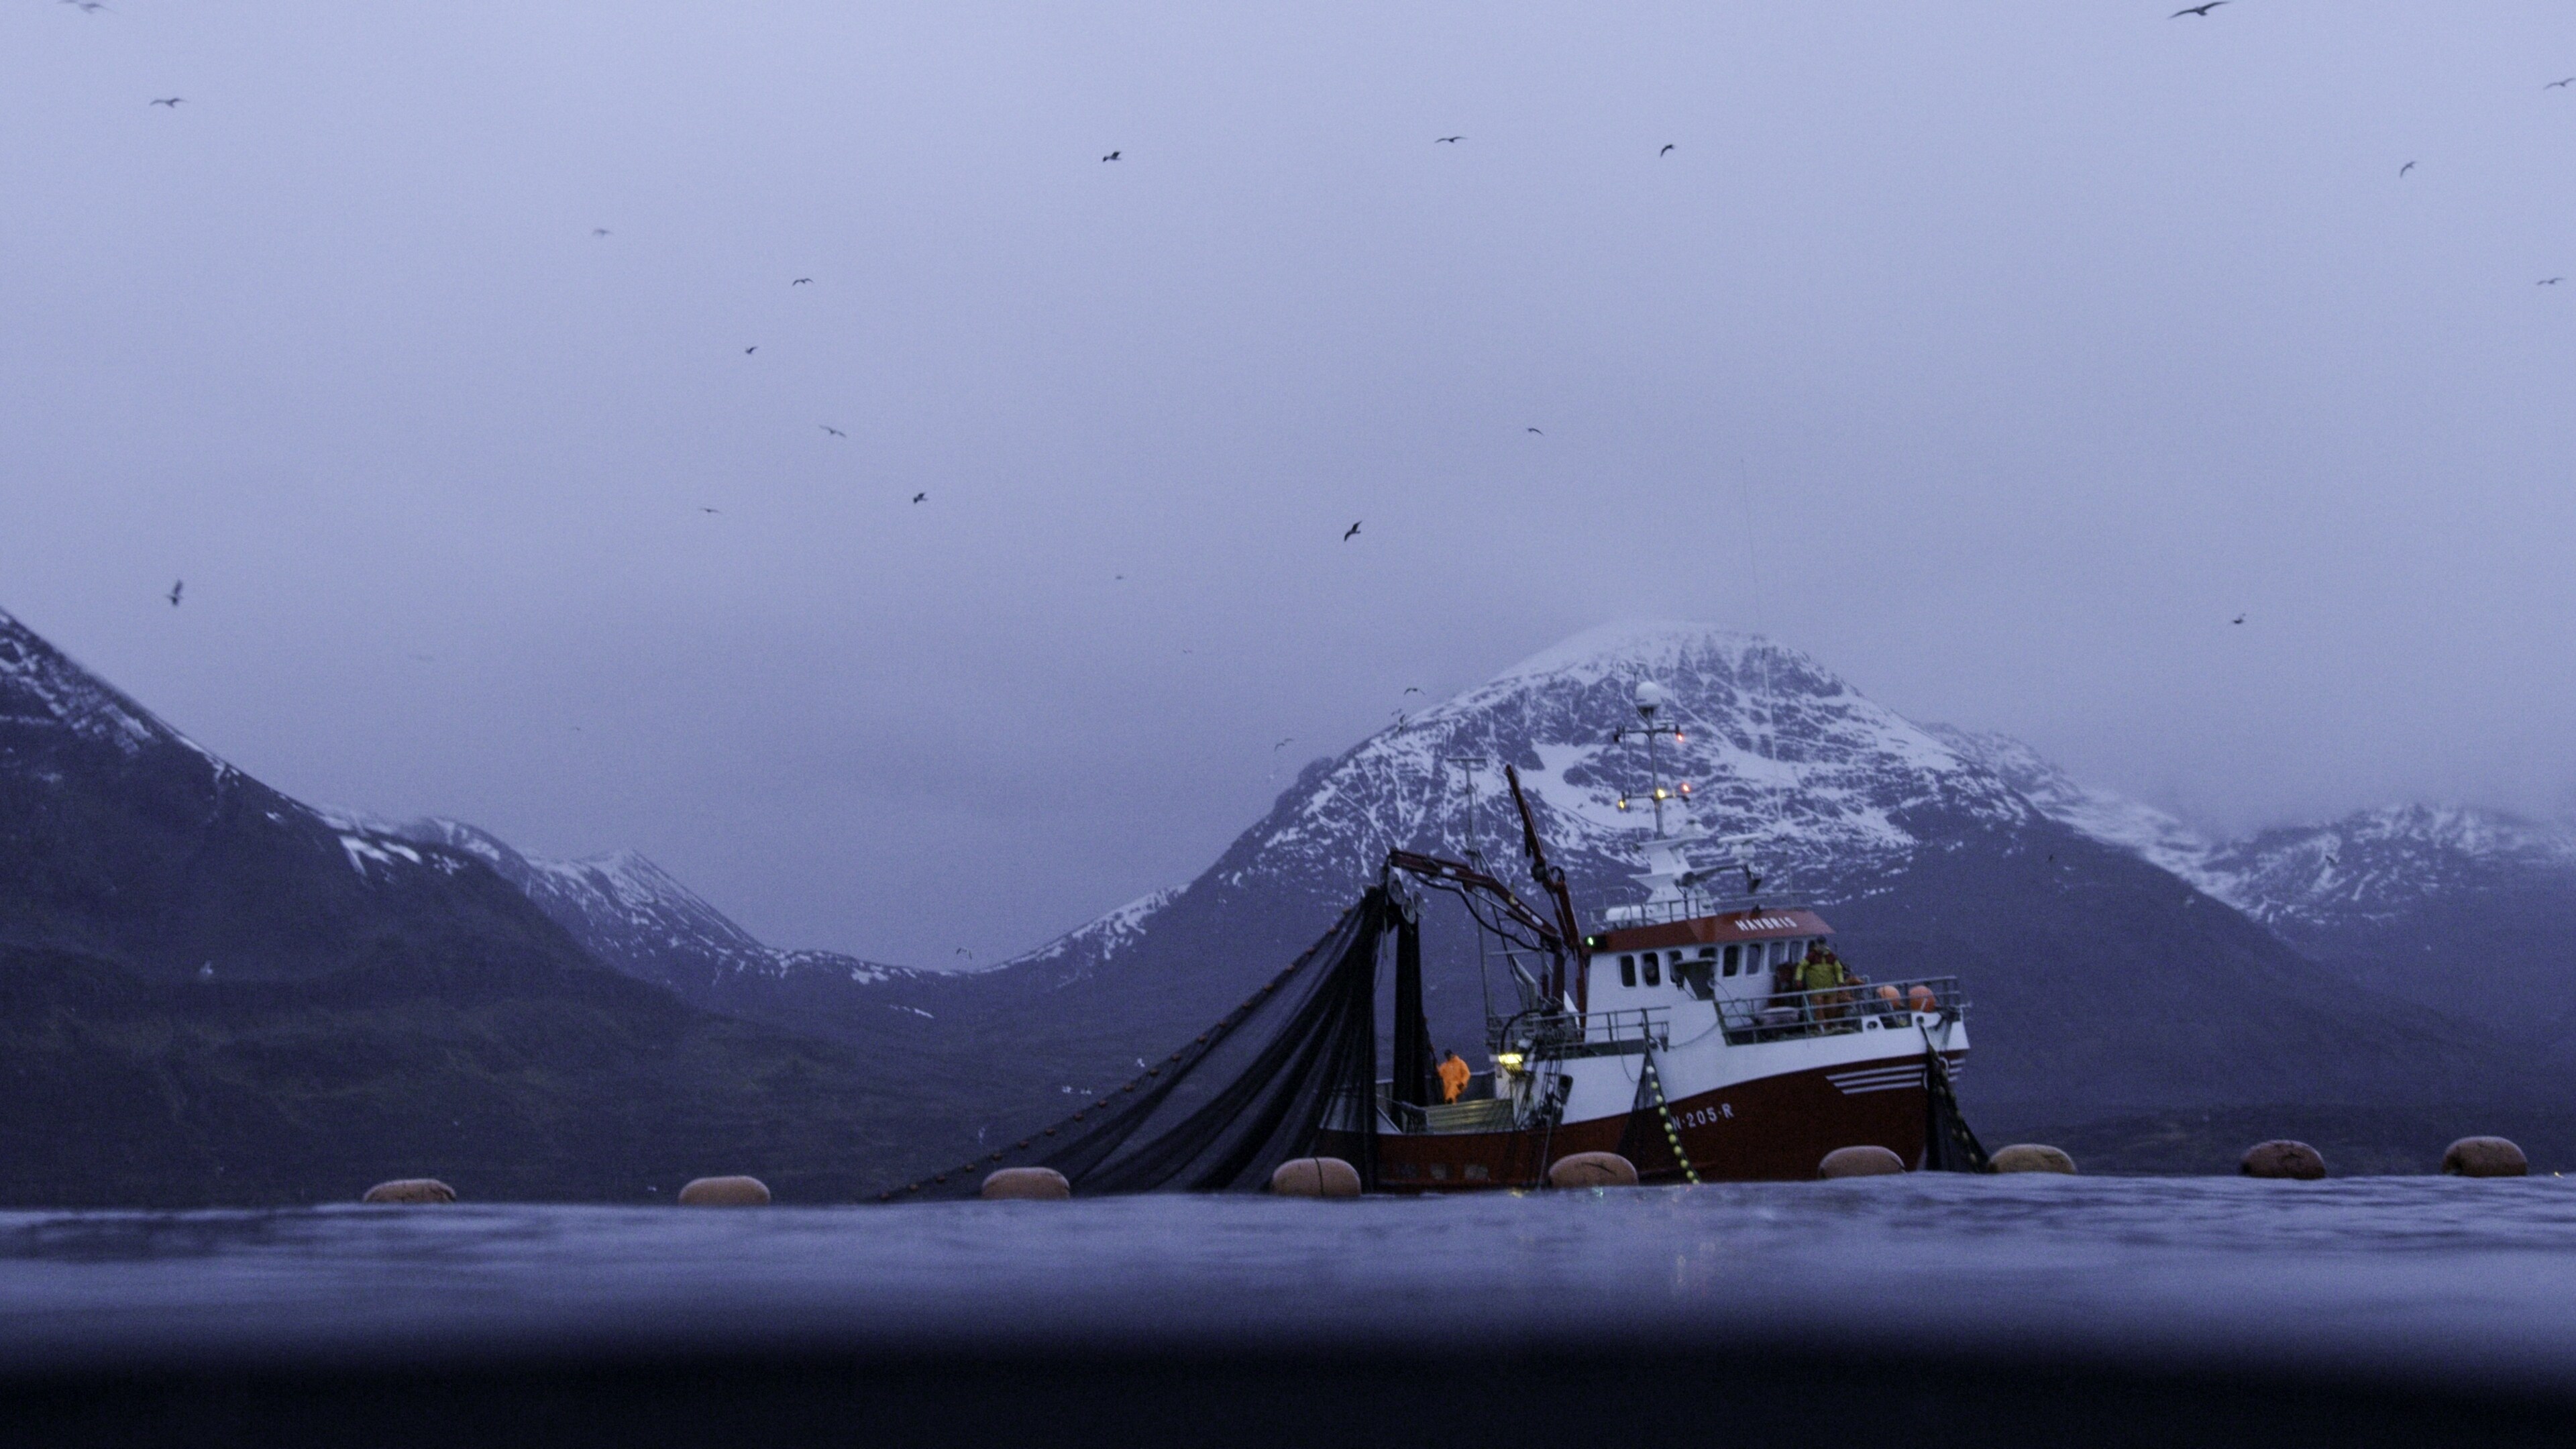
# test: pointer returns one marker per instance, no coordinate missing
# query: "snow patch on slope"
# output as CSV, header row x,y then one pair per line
x,y
1097,941
2111,818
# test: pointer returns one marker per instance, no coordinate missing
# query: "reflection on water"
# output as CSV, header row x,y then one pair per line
x,y
2418,1274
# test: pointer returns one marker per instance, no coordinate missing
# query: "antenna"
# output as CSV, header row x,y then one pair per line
x,y
1468,765
1651,699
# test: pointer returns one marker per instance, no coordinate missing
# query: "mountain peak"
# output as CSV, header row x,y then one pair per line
x,y
1632,645
40,685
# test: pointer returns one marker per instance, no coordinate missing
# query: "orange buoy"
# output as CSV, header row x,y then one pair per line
x,y
1860,1162
410,1190
1315,1177
2485,1157
1592,1169
725,1192
2283,1158
1043,1184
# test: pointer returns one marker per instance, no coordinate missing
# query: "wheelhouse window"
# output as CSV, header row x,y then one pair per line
x,y
1654,976
1734,958
1699,976
1628,970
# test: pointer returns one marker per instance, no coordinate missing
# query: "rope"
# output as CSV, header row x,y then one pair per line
x,y
1672,1134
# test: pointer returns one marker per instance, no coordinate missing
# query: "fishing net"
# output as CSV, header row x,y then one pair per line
x,y
1948,1145
1249,1093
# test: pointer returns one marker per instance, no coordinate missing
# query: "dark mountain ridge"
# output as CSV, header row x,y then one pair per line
x,y
210,992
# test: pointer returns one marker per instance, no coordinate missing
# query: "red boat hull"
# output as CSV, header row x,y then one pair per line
x,y
1774,1128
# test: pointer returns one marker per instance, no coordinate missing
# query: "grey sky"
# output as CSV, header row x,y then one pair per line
x,y
2038,340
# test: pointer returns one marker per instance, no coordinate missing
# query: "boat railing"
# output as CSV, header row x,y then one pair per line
x,y
1861,1006
1584,1034
1691,906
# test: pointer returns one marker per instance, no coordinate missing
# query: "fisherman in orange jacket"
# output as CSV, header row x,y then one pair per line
x,y
1454,1076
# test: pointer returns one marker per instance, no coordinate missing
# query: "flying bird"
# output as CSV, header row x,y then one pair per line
x,y
87,7
802,282
1283,744
173,595
1447,140
2239,619
1533,430
599,231
702,508
171,101
755,347
2409,166
1667,151
2561,84
835,432
2549,281
921,498
1413,689
1114,155
1350,533
2201,10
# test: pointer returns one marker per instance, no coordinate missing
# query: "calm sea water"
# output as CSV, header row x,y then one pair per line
x,y
2419,1277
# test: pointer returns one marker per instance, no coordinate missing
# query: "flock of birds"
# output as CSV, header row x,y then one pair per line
x,y
2200,11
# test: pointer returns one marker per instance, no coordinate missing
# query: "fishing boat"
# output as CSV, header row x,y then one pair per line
x,y
1703,1033
1675,1031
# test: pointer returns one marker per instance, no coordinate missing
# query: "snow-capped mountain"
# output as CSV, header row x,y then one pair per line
x,y
2101,977
2463,910
2376,866
121,837
1791,771
631,914
2111,818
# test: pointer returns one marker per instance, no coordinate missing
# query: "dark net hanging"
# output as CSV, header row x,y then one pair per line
x,y
1224,1111
1948,1145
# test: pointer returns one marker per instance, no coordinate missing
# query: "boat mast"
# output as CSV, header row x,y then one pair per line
x,y
1651,698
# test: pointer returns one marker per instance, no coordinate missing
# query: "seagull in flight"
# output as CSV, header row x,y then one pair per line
x,y
1114,155
1447,140
2200,10
2239,619
2560,85
599,231
802,282
835,432
1667,151
2402,170
755,347
921,498
173,595
702,508
88,7
2549,281
1533,430
171,101
1350,533
1283,744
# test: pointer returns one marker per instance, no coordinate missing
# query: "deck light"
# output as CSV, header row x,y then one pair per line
x,y
1623,802
1509,1061
1685,787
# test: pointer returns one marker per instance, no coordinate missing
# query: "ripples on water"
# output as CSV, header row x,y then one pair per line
x,y
2418,1276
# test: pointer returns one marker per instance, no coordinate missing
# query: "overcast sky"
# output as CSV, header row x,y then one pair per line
x,y
2034,340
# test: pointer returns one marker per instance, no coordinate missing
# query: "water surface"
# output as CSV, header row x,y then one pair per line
x,y
2430,1279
